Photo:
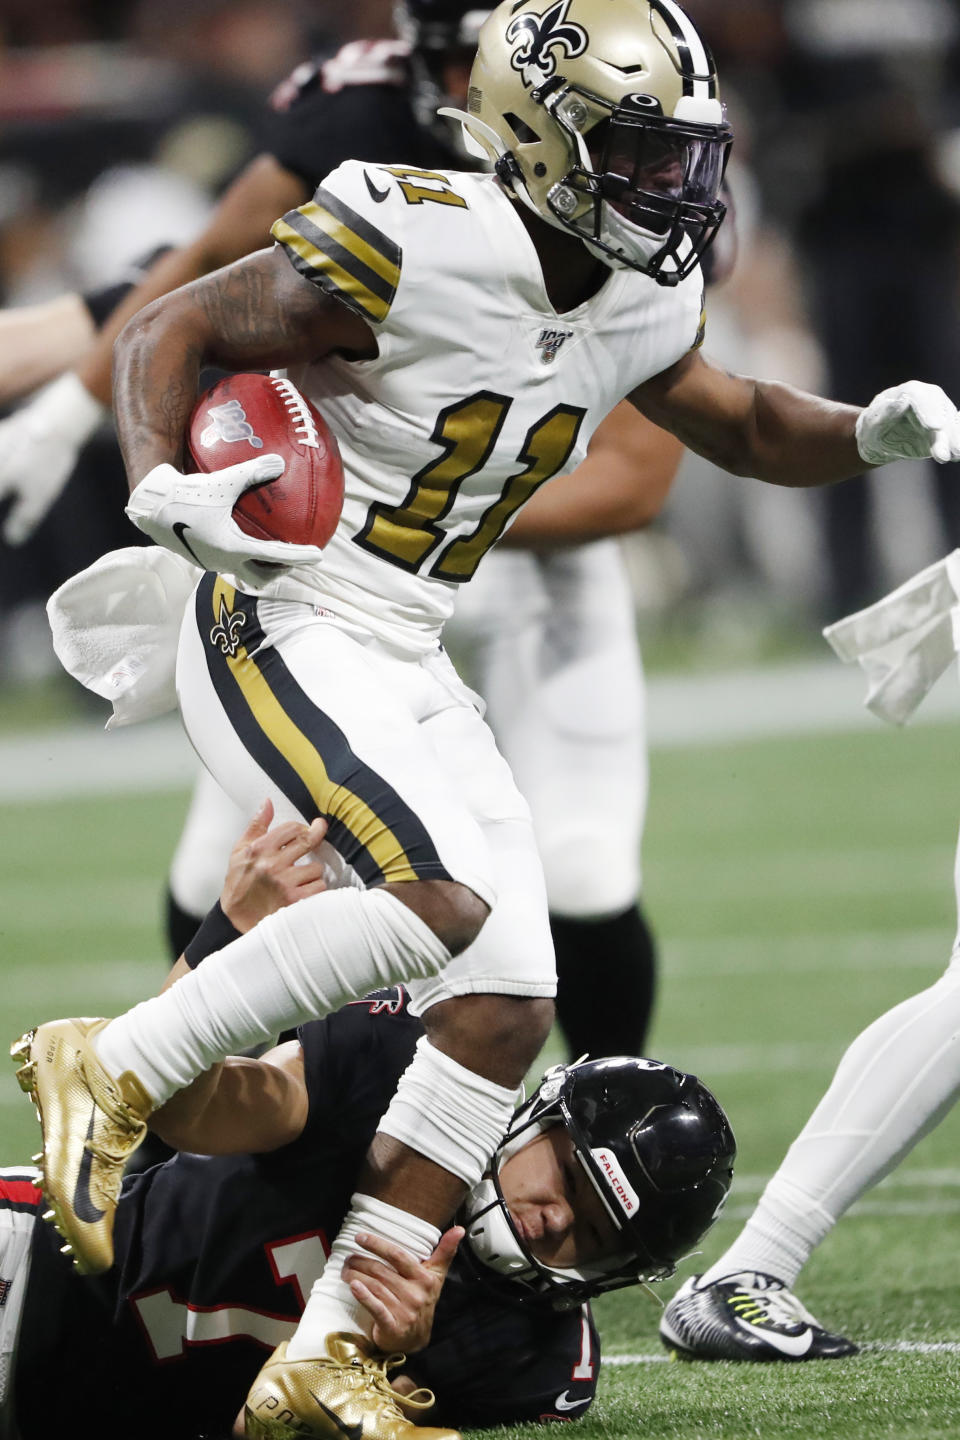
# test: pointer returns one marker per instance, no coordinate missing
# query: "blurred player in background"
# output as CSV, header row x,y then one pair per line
x,y
551,632
216,1255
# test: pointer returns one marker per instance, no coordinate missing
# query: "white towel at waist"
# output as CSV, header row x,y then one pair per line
x,y
116,625
905,641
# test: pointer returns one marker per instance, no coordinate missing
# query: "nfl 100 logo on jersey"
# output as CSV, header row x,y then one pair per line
x,y
548,342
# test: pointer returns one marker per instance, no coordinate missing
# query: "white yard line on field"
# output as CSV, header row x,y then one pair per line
x,y
902,1347
791,699
682,710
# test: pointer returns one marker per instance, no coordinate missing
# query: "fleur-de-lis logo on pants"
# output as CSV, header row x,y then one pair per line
x,y
539,36
226,633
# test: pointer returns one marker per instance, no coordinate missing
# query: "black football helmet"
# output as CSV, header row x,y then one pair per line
x,y
437,32
657,1148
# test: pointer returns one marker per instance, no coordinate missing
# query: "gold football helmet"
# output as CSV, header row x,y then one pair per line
x,y
603,117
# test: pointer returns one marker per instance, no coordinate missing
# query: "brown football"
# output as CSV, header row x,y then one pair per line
x,y
248,415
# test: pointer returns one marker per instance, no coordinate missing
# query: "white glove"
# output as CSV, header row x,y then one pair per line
x,y
191,515
909,422
39,447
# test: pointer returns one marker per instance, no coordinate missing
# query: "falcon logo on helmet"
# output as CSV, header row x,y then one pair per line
x,y
538,35
620,139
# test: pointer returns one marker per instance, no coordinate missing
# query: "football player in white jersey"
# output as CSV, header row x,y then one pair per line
x,y
409,305
551,631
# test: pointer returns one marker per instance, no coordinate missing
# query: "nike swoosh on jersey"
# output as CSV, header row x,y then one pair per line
x,y
562,1403
180,529
376,194
352,1432
83,1206
787,1344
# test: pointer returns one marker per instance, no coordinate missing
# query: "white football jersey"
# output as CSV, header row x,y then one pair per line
x,y
480,392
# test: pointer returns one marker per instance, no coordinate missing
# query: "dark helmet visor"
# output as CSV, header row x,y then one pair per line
x,y
657,172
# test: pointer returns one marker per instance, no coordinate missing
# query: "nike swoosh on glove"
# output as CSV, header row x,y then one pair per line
x,y
915,421
39,447
192,516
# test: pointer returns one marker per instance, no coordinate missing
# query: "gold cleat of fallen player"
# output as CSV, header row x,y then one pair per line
x,y
91,1126
343,1395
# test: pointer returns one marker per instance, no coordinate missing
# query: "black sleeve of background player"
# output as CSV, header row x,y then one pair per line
x,y
360,122
492,1362
352,1060
101,303
215,931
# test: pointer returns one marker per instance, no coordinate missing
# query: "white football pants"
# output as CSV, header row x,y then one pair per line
x,y
550,640
280,701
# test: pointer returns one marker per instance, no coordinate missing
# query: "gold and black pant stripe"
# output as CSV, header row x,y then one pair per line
x,y
306,755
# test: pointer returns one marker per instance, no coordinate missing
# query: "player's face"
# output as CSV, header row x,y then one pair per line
x,y
553,1205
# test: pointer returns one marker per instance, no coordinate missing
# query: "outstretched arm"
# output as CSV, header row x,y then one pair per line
x,y
787,437
753,427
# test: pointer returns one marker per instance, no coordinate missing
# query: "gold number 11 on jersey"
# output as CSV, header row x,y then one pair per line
x,y
406,534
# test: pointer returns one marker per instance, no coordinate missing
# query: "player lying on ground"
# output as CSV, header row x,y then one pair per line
x,y
326,687
214,1257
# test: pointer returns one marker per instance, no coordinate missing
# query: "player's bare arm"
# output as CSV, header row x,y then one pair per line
x,y
38,341
753,427
620,486
253,315
248,1106
240,224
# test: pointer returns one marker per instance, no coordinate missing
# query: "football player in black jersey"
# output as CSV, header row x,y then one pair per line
x,y
215,1252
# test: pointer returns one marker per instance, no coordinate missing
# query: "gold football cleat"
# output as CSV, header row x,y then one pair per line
x,y
91,1126
345,1395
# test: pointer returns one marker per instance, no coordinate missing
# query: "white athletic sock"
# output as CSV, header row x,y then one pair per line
x,y
449,1113
894,1084
331,1306
296,965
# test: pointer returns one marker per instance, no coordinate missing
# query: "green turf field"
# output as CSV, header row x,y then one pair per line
x,y
799,887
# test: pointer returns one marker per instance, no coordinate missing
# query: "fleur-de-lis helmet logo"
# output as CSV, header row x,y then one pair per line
x,y
540,36
226,633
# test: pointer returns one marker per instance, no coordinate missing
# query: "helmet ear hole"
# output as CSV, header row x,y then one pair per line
x,y
521,130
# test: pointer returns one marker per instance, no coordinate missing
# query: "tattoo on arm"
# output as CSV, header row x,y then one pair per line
x,y
252,321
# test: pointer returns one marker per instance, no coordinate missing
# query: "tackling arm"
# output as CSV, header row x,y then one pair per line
x,y
620,486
